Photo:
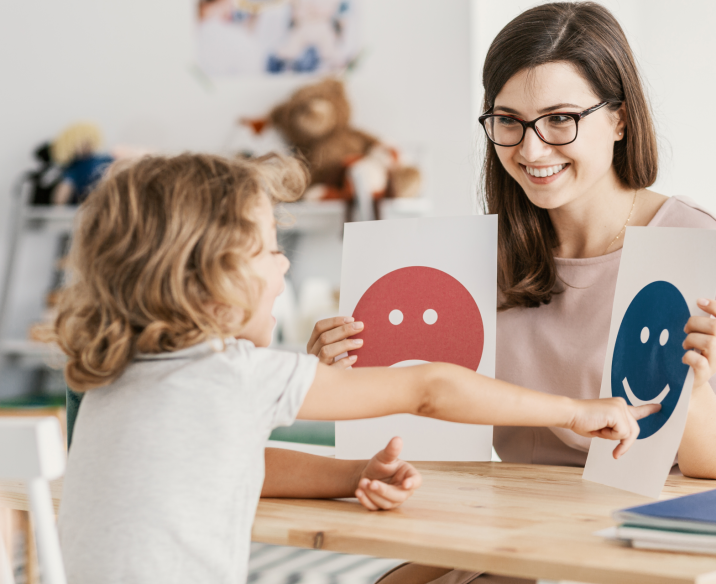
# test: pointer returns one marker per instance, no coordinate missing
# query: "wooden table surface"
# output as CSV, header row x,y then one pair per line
x,y
512,519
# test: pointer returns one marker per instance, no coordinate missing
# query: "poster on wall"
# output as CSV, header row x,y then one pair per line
x,y
426,291
275,37
663,272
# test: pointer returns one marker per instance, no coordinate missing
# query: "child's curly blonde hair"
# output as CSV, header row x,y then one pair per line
x,y
157,242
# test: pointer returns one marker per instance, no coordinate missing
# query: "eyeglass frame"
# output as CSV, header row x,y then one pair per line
x,y
525,125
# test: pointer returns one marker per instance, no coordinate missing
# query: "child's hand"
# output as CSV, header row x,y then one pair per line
x,y
330,339
612,419
386,482
701,335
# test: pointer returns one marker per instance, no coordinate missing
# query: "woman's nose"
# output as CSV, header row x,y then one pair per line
x,y
532,148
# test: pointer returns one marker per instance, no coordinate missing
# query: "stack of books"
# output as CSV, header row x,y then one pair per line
x,y
683,524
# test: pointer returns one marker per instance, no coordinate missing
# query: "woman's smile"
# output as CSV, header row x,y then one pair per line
x,y
542,175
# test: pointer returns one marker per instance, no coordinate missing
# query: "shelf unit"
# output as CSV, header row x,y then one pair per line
x,y
24,218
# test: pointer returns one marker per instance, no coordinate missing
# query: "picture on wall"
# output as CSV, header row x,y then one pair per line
x,y
276,37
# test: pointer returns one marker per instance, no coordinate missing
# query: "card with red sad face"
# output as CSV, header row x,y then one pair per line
x,y
425,290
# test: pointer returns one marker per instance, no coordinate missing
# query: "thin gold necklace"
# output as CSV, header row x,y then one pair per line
x,y
623,229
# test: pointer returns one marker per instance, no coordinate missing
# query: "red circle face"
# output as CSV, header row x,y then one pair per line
x,y
419,313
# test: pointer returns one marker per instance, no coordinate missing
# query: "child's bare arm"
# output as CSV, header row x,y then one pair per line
x,y
384,482
456,394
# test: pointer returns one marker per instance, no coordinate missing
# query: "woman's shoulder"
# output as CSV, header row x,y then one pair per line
x,y
681,211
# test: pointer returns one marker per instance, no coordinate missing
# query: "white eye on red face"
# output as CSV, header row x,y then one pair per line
x,y
430,316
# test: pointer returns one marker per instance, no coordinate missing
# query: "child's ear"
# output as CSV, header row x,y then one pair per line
x,y
229,318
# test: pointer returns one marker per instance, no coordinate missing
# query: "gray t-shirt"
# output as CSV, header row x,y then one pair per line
x,y
167,464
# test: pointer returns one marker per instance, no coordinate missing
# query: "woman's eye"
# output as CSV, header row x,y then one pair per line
x,y
506,121
560,120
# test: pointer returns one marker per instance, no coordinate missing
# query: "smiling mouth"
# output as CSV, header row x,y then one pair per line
x,y
635,401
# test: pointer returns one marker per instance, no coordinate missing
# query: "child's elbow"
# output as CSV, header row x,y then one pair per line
x,y
432,380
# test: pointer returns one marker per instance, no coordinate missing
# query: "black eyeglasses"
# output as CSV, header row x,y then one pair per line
x,y
555,129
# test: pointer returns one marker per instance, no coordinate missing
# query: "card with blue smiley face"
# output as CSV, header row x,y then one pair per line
x,y
662,272
647,366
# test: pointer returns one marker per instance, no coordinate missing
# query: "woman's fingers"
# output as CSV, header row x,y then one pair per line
x,y
333,336
701,324
701,341
707,305
345,363
327,353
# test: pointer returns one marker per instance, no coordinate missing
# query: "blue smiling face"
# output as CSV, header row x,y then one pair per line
x,y
647,367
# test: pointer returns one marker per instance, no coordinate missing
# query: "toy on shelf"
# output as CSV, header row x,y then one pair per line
x,y
76,150
45,179
315,122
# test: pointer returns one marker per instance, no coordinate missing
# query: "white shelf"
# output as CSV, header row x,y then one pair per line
x,y
326,216
33,352
50,218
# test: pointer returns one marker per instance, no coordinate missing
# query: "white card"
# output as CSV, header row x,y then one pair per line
x,y
426,290
663,272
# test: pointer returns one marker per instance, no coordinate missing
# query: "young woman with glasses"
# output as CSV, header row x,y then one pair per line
x,y
570,154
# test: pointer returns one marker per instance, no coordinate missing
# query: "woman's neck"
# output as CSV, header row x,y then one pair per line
x,y
593,224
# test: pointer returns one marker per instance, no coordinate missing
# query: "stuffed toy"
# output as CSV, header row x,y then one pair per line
x,y
315,122
76,150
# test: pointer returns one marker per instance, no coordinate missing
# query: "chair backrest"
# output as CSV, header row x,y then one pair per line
x,y
32,450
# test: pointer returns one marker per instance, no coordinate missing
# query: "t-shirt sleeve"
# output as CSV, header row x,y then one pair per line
x,y
282,380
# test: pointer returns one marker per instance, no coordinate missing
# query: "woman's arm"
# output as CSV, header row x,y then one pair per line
x,y
697,453
456,394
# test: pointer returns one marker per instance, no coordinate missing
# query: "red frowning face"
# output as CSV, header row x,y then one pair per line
x,y
422,314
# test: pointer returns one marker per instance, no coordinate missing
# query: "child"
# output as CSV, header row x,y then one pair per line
x,y
176,269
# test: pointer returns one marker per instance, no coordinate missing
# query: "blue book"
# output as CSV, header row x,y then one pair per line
x,y
692,513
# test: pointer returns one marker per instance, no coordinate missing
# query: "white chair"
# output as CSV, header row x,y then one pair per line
x,y
32,450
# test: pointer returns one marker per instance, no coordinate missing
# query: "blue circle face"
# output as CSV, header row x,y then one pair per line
x,y
647,366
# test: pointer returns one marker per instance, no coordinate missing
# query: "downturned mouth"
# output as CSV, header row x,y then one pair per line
x,y
635,401
409,363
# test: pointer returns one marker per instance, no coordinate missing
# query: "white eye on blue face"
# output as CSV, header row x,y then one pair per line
x,y
663,337
644,335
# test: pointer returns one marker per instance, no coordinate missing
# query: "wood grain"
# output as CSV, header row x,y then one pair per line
x,y
511,519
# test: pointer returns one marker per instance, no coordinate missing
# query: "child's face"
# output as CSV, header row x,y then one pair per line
x,y
271,266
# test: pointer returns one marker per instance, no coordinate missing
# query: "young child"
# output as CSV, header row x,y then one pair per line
x,y
165,326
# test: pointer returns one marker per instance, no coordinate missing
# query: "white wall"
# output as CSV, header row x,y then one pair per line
x,y
675,46
129,66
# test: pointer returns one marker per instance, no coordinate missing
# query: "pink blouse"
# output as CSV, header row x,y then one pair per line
x,y
559,348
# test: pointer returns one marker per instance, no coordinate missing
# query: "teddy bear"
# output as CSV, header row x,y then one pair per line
x,y
315,122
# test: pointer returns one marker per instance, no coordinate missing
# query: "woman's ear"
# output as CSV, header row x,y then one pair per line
x,y
620,128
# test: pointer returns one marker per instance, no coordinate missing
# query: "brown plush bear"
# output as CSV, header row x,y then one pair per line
x,y
315,121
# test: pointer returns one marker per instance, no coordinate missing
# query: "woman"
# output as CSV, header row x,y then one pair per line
x,y
570,155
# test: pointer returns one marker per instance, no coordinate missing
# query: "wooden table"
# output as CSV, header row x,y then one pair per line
x,y
519,520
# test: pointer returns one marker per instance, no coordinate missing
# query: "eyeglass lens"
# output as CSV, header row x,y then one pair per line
x,y
554,129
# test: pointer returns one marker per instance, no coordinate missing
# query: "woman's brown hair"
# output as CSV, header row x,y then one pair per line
x,y
157,241
586,35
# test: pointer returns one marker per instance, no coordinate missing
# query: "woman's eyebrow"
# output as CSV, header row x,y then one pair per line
x,y
544,110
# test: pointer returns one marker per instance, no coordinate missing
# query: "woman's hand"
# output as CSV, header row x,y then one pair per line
x,y
701,335
612,419
386,481
330,338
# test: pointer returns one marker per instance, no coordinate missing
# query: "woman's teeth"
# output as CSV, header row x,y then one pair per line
x,y
542,172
